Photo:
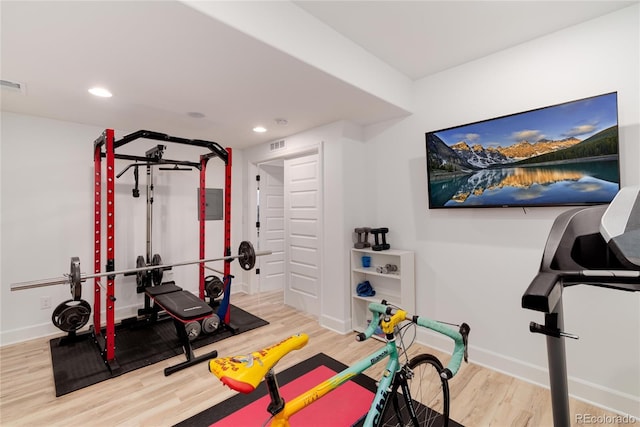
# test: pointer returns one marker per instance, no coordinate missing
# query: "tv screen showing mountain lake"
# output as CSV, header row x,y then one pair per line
x,y
561,155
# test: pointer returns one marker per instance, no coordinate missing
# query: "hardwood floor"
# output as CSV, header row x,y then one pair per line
x,y
145,397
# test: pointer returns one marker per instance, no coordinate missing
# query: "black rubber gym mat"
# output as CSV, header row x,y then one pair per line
x,y
78,363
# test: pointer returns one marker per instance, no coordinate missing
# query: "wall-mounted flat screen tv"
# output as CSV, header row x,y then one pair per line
x,y
562,155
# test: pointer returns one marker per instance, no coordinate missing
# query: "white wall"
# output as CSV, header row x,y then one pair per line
x,y
474,265
47,217
471,265
348,197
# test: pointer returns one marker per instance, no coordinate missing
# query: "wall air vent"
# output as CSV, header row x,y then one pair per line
x,y
13,86
277,145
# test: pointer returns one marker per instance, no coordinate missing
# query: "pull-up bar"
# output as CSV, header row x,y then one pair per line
x,y
214,147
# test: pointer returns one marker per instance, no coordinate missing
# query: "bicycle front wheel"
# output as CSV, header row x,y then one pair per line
x,y
420,396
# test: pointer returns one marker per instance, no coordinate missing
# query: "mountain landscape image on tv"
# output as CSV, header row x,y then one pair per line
x,y
566,154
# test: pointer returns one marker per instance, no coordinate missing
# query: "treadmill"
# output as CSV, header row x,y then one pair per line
x,y
598,246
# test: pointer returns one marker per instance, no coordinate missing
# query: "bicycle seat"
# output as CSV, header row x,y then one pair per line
x,y
244,373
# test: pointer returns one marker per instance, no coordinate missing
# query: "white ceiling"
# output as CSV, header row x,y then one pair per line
x,y
243,64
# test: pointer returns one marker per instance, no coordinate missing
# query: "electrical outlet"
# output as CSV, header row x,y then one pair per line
x,y
45,302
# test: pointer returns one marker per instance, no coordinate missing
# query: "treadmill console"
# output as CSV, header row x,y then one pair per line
x,y
620,227
597,246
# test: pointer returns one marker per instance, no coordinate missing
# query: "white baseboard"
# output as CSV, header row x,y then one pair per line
x,y
42,330
593,394
47,329
336,325
240,288
275,287
16,336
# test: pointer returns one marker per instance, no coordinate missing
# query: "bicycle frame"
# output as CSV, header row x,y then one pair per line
x,y
242,374
390,350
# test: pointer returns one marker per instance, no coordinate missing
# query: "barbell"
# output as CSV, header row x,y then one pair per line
x,y
246,257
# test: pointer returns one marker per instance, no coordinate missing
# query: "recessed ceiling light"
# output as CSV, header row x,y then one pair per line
x,y
101,92
259,129
282,122
195,115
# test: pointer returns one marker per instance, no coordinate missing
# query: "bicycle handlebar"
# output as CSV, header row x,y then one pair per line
x,y
459,337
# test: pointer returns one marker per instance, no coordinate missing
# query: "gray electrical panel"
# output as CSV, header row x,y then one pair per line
x,y
213,209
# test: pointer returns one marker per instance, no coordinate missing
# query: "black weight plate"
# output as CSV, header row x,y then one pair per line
x,y
74,278
213,286
193,330
156,273
71,315
141,276
246,255
211,324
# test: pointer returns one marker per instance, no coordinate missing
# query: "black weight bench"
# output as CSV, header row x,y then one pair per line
x,y
183,307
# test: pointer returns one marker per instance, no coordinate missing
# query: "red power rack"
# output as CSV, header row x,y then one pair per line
x,y
108,143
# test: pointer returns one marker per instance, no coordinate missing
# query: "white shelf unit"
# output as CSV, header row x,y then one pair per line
x,y
397,288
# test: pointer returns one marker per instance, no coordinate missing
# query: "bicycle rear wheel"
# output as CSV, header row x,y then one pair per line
x,y
428,395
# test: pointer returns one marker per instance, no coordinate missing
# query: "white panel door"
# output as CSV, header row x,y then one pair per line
x,y
272,226
302,189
